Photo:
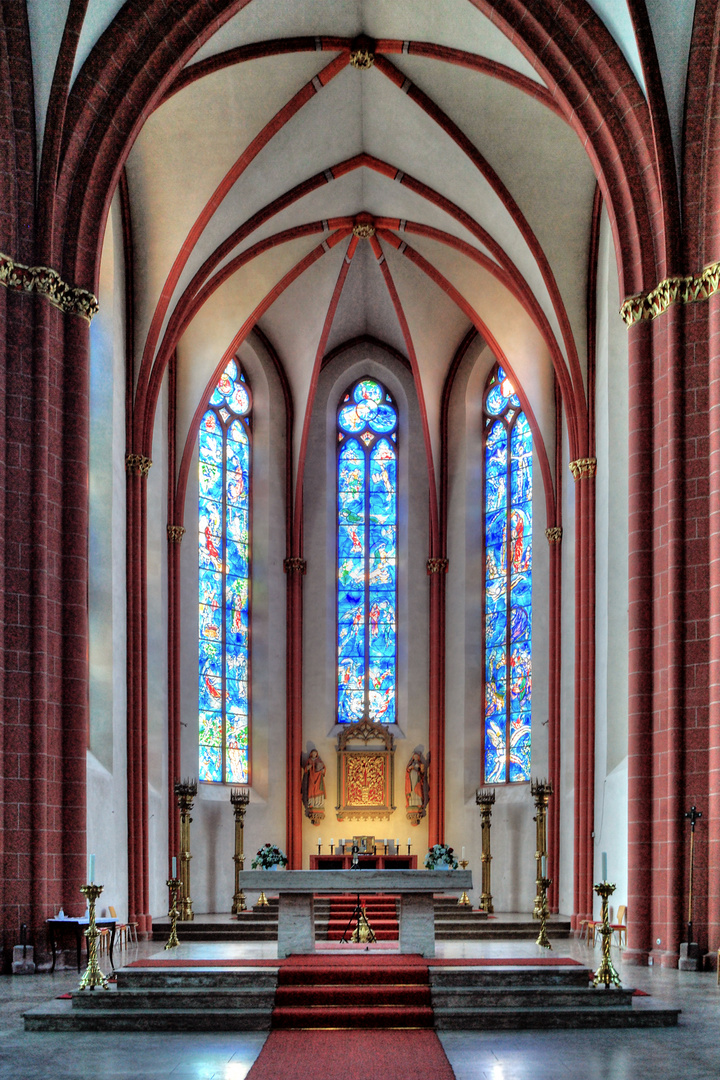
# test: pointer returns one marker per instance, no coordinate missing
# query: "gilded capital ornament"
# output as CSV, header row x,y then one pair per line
x,y
672,290
583,467
47,282
554,534
138,464
294,564
437,566
175,533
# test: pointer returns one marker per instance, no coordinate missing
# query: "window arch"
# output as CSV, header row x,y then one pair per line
x,y
367,554
224,518
507,442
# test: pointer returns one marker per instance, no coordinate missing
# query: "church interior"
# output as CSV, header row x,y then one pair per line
x,y
360,468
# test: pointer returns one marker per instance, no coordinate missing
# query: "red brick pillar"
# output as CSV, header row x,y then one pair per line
x,y
295,568
713,743
137,748
437,569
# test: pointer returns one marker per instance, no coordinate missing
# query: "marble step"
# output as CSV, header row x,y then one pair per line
x,y
264,978
500,977
60,1016
184,998
513,1019
529,997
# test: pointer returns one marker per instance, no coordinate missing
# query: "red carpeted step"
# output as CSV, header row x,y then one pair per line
x,y
370,973
360,996
354,992
352,1016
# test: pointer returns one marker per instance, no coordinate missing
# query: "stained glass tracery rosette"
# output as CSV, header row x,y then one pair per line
x,y
367,554
224,583
508,564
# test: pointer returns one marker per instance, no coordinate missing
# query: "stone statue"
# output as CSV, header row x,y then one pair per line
x,y
313,787
415,788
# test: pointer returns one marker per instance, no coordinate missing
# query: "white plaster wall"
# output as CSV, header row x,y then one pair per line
x,y
106,758
319,645
213,827
513,829
611,612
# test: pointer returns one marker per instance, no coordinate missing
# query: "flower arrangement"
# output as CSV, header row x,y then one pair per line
x,y
269,855
440,856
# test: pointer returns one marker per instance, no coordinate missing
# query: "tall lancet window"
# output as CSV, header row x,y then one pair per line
x,y
224,455
367,554
508,583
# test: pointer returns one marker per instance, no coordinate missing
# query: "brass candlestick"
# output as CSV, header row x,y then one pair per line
x,y
93,976
606,973
541,911
173,885
464,901
541,790
239,797
485,799
185,792
262,900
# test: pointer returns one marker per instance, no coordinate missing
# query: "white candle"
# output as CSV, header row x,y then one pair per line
x,y
397,845
341,841
319,841
91,869
409,841
174,867
332,842
462,856
604,865
543,866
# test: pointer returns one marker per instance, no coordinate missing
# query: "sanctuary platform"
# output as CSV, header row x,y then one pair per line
x,y
227,988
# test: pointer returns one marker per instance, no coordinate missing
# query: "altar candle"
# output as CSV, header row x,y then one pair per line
x,y
91,869
174,867
342,842
462,857
604,865
543,866
332,842
409,841
397,845
319,841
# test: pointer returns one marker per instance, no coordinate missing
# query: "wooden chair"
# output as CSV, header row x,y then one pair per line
x,y
126,932
619,927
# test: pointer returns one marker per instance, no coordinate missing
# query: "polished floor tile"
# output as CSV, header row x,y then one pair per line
x,y
690,1051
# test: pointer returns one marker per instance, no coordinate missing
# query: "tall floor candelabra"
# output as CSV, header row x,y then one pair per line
x,y
239,797
606,973
485,799
185,792
541,790
93,976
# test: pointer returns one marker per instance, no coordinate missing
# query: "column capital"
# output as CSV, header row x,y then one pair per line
x,y
437,566
583,467
295,564
137,464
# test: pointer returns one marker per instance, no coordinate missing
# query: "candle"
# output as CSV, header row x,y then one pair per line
x,y
91,869
319,841
462,856
174,867
604,865
409,841
342,842
332,842
543,866
397,844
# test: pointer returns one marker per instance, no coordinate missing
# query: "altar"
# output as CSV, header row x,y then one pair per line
x,y
297,888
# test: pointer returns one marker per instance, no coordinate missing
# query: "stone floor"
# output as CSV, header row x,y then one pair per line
x,y
691,1051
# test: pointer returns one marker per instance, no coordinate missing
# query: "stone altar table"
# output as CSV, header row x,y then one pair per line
x,y
296,888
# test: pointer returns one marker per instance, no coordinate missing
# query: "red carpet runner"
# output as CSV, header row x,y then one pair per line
x,y
368,994
381,912
352,1055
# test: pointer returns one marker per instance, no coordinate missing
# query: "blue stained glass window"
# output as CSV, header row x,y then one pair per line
x,y
224,464
367,554
507,673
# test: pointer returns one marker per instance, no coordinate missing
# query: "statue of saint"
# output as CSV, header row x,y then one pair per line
x,y
313,786
415,783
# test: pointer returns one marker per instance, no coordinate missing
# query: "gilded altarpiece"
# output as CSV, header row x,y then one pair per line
x,y
366,754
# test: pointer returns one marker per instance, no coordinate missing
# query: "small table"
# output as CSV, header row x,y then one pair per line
x,y
296,912
77,927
